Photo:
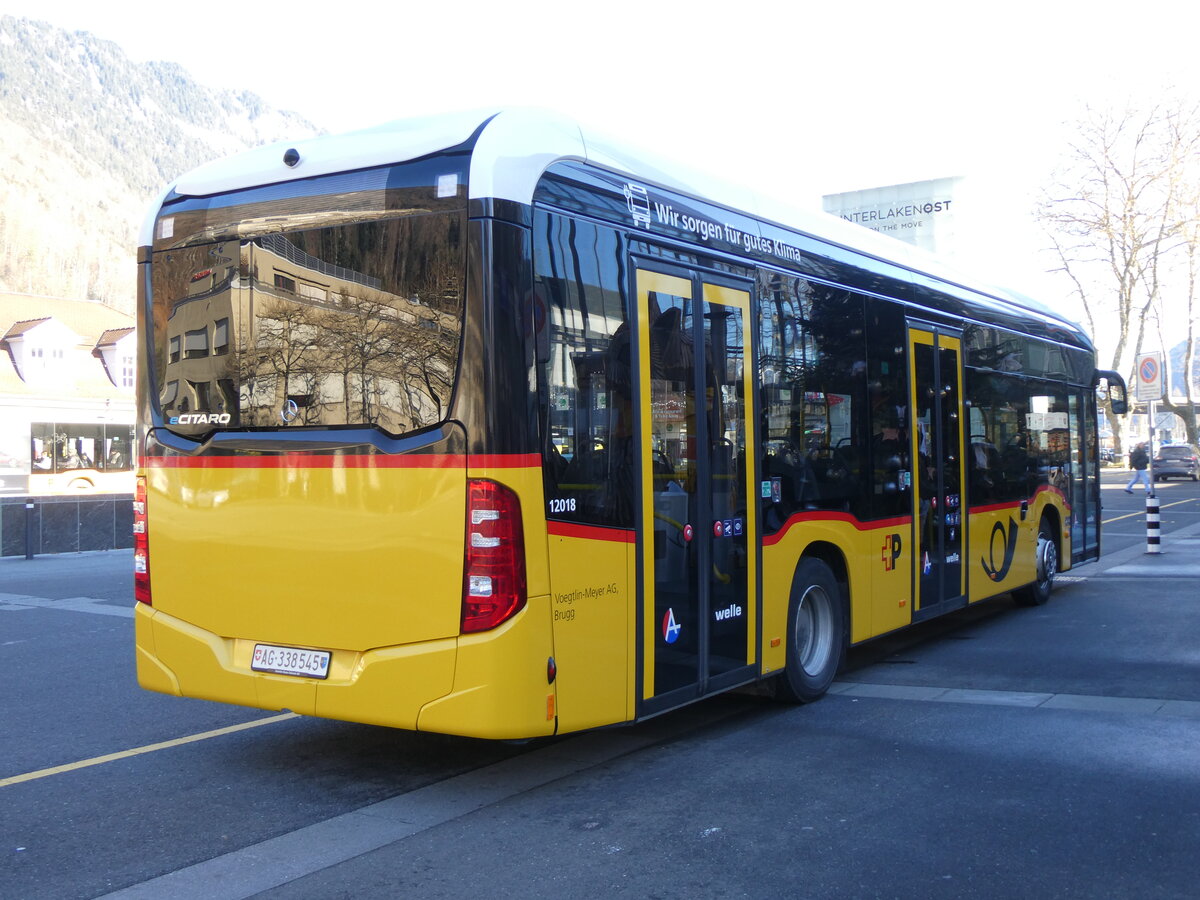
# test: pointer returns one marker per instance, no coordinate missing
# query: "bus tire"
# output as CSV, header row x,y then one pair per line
x,y
816,635
1046,566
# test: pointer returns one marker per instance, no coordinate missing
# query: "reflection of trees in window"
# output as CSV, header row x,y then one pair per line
x,y
285,353
356,324
355,348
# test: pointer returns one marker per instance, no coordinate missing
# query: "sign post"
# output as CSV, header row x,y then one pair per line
x,y
1150,390
1149,385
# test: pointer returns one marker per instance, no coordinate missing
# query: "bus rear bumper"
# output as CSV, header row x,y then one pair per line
x,y
491,685
386,686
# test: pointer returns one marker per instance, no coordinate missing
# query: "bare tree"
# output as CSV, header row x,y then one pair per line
x,y
288,348
357,343
1185,269
1121,220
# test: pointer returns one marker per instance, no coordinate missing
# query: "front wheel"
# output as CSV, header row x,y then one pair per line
x,y
1038,593
816,634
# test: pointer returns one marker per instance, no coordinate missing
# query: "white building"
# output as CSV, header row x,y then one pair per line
x,y
67,383
923,213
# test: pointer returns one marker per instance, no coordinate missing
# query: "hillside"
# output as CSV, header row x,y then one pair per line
x,y
88,140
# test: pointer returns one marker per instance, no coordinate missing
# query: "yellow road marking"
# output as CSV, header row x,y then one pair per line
x,y
136,751
1143,512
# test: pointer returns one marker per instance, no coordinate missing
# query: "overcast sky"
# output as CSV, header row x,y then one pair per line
x,y
793,97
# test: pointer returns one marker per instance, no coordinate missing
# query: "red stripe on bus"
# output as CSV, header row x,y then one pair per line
x,y
350,461
830,516
1049,488
505,461
591,532
996,507
1016,504
312,461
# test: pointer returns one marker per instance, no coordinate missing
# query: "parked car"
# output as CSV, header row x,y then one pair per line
x,y
1180,460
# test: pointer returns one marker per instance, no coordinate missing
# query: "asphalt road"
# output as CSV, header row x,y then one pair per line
x,y
997,752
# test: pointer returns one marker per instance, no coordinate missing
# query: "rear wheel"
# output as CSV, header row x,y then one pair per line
x,y
1038,593
816,634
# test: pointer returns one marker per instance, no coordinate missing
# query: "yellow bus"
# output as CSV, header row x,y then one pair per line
x,y
490,426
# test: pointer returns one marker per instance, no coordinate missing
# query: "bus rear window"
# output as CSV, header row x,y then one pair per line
x,y
356,324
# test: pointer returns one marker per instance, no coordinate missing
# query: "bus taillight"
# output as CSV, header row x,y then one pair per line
x,y
494,574
141,545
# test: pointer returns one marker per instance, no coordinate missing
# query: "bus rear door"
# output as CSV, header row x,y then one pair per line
x,y
935,379
698,536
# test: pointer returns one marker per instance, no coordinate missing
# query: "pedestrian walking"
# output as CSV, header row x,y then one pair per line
x,y
1139,459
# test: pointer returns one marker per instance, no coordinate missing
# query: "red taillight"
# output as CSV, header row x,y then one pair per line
x,y
494,571
141,545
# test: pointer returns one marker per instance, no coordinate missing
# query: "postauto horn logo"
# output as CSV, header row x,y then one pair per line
x,y
201,419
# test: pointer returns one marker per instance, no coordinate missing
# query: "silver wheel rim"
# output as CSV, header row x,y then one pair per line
x,y
814,630
1047,561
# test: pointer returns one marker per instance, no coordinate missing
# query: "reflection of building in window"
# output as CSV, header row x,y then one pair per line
x,y
199,390
312,292
374,342
195,344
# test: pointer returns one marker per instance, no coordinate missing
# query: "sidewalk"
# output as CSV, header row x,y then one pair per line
x,y
1179,558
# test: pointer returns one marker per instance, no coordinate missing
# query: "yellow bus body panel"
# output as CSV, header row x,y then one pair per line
x,y
501,686
988,543
880,597
366,563
330,558
593,605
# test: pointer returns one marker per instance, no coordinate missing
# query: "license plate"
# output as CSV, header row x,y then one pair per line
x,y
291,661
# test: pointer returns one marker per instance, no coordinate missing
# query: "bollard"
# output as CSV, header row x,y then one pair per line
x,y
1152,525
29,530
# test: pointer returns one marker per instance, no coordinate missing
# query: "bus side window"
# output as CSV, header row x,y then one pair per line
x,y
812,368
585,379
890,470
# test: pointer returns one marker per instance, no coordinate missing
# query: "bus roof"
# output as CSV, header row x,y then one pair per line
x,y
514,147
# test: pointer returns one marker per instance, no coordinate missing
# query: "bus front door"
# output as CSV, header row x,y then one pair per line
x,y
939,519
699,618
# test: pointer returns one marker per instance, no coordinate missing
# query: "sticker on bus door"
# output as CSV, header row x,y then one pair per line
x,y
670,627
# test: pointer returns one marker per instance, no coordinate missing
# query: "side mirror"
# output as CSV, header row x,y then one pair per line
x,y
1115,390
